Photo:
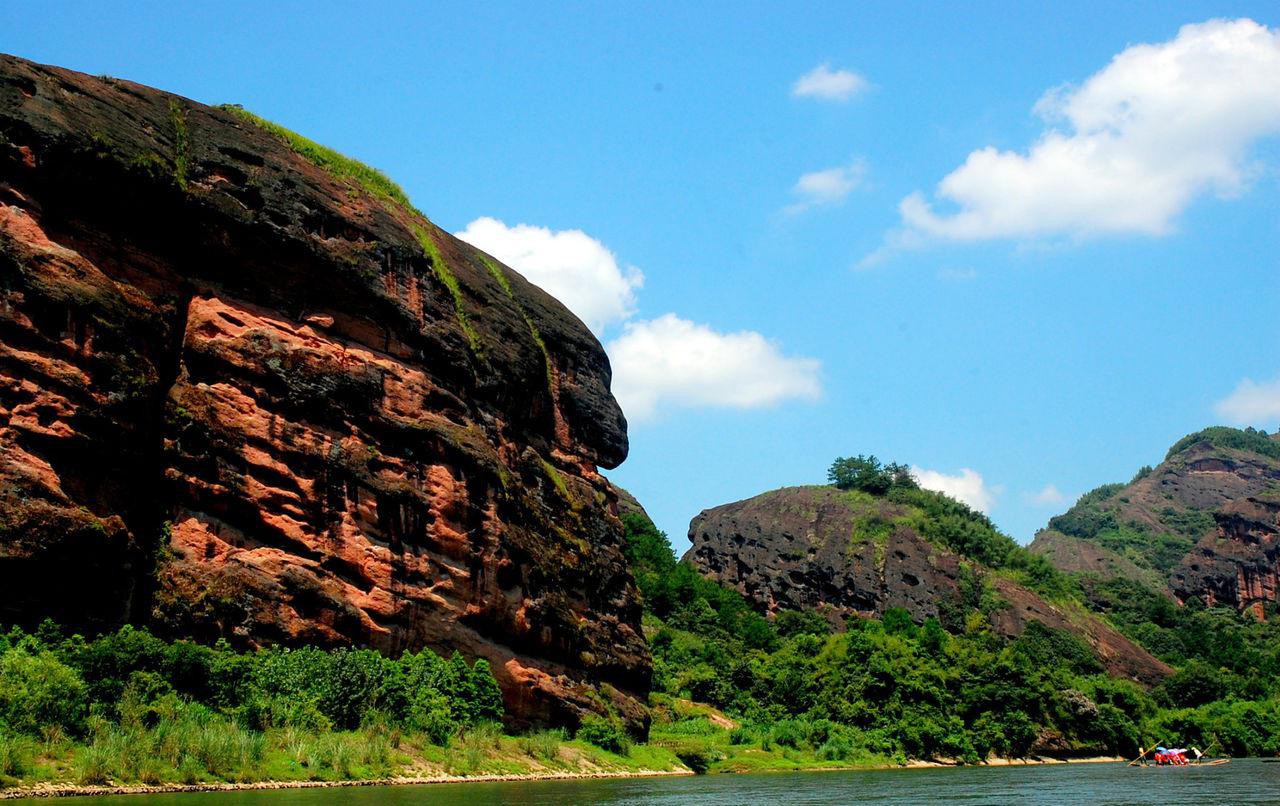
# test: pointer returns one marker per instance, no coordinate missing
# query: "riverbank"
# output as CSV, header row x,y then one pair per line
x,y
76,790
284,759
152,753
48,790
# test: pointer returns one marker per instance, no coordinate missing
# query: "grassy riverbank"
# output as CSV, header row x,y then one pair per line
x,y
215,756
130,710
142,762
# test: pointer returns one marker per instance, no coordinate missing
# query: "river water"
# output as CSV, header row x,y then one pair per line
x,y
1241,782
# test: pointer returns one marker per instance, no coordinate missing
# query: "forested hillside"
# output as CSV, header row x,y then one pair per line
x,y
952,684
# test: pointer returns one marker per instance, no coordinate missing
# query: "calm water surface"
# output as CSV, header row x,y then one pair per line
x,y
1241,782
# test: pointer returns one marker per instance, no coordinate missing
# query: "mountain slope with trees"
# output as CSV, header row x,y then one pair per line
x,y
885,687
1203,524
873,541
818,664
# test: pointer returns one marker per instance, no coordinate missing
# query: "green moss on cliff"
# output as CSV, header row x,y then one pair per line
x,y
505,282
498,274
371,179
557,480
149,164
181,142
442,272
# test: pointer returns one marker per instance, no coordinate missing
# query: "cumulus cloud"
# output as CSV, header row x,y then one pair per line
x,y
966,486
826,187
568,264
1251,403
656,362
1048,496
1125,152
826,84
672,361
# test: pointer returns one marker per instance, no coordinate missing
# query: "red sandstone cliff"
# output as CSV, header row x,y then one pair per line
x,y
242,396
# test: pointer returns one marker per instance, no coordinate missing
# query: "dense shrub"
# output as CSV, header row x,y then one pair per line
x,y
138,681
38,691
1247,439
865,473
674,591
605,732
17,754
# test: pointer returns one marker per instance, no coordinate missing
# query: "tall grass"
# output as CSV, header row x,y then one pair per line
x,y
474,747
185,741
543,745
17,756
366,753
191,744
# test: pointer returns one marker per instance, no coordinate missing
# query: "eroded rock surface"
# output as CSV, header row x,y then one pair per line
x,y
1201,524
241,396
1238,565
808,548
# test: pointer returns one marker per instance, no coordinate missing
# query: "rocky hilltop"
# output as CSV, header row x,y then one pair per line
x,y
852,554
1204,523
246,390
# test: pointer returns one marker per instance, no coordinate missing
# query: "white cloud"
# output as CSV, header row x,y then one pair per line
x,y
830,186
1251,403
829,85
1126,152
1048,496
967,486
672,361
656,362
568,264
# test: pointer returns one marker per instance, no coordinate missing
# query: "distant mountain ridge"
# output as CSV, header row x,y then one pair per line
x,y
1204,523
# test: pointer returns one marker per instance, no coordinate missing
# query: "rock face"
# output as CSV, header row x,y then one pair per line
x,y
1201,524
245,396
821,548
1240,564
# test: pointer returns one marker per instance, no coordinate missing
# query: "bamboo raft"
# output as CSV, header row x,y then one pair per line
x,y
1201,759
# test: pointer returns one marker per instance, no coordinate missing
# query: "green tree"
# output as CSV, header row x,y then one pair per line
x,y
860,472
37,691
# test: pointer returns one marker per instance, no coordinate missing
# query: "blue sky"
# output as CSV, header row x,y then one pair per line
x,y
1100,282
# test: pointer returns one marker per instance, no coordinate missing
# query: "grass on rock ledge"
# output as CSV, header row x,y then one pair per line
x,y
371,179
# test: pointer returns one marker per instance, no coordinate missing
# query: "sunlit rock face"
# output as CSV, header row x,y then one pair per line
x,y
241,396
